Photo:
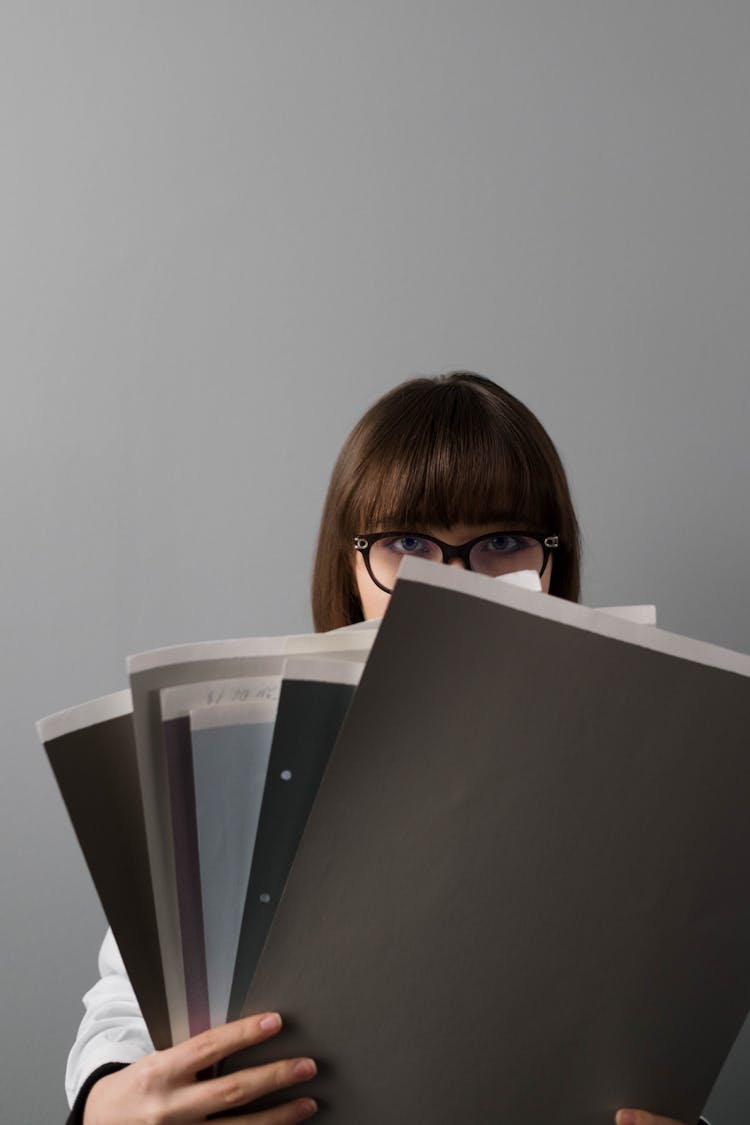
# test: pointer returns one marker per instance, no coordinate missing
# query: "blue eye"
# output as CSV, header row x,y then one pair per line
x,y
504,544
409,545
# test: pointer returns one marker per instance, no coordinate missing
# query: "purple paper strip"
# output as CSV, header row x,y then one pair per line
x,y
178,753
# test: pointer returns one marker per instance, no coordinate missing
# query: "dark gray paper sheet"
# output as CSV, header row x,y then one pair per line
x,y
522,893
91,749
314,699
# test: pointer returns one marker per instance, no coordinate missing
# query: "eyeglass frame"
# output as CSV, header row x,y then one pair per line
x,y
363,543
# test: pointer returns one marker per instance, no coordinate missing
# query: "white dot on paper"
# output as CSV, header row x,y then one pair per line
x,y
265,897
286,775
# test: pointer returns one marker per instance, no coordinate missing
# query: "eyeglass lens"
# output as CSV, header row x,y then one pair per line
x,y
494,555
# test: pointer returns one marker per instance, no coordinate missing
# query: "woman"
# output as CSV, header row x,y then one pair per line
x,y
452,468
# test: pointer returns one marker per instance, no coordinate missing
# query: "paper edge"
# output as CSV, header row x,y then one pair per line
x,y
354,637
231,649
578,616
82,715
638,614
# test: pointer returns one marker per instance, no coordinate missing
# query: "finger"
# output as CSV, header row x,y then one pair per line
x,y
217,1095
641,1117
286,1114
194,1055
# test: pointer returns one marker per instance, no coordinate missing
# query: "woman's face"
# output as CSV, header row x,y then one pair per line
x,y
375,601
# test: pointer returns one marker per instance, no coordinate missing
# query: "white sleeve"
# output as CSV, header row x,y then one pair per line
x,y
112,1029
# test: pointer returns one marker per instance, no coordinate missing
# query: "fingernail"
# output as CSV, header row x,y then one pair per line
x,y
626,1117
305,1068
306,1108
271,1021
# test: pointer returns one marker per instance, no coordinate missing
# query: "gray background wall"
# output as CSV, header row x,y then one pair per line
x,y
226,228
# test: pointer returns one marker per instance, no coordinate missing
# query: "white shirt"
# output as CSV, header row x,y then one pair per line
x,y
112,1029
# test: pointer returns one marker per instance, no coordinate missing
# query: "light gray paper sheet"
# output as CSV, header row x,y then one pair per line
x,y
152,672
207,703
522,893
230,747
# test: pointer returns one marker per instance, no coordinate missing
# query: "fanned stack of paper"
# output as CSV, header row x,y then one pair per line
x,y
188,795
503,878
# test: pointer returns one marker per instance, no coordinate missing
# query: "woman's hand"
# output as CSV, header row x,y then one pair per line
x,y
640,1117
161,1088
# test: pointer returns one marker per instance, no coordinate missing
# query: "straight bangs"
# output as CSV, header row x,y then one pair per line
x,y
457,463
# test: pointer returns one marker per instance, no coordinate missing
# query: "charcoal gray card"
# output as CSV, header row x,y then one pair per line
x,y
522,892
96,770
309,717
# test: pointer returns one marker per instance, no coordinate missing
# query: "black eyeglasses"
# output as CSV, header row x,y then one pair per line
x,y
495,553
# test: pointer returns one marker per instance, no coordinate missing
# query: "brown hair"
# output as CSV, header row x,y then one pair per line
x,y
456,448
